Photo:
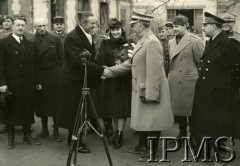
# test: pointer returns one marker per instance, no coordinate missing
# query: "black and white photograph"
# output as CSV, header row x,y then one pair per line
x,y
119,82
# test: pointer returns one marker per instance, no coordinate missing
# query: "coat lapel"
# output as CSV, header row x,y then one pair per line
x,y
14,44
182,44
83,37
46,44
214,43
140,43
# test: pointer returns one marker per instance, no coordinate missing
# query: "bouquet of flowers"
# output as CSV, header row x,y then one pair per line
x,y
126,52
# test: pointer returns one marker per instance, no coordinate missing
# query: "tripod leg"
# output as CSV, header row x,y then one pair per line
x,y
98,125
74,143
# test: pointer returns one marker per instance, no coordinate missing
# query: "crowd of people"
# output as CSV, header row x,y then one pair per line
x,y
155,79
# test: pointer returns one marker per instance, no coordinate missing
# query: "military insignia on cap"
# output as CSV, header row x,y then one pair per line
x,y
212,19
138,17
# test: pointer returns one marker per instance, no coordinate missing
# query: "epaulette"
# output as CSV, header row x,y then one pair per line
x,y
104,37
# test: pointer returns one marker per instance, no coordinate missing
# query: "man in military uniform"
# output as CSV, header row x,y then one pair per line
x,y
7,22
58,27
228,26
169,28
216,101
185,51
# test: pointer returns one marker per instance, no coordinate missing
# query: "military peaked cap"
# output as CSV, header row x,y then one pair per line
x,y
58,19
212,19
228,17
138,17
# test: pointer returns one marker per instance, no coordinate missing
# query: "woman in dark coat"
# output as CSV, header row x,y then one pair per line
x,y
115,98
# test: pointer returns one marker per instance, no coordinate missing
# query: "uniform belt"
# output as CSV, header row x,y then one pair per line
x,y
49,64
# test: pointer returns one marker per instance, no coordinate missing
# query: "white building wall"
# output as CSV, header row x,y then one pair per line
x,y
16,6
71,15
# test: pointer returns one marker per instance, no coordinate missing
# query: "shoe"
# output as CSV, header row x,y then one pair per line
x,y
118,141
146,158
28,139
83,149
114,138
42,134
57,136
3,130
109,129
138,150
11,144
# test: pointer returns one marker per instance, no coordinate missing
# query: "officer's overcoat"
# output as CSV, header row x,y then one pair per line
x,y
216,101
183,74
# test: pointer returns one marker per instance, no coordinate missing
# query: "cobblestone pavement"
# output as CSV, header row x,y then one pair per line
x,y
51,153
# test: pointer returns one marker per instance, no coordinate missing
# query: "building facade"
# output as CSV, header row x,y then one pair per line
x,y
165,10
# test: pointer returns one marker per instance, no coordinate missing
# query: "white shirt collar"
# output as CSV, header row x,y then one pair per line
x,y
17,37
87,35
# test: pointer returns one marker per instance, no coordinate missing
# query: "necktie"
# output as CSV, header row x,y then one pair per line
x,y
21,41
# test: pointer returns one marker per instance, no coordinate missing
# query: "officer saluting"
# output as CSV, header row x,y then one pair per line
x,y
216,101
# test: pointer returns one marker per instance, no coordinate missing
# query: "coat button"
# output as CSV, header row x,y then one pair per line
x,y
201,60
135,91
180,59
206,69
199,68
208,61
236,78
179,82
203,78
180,70
20,65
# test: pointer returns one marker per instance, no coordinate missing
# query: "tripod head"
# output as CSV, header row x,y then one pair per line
x,y
85,55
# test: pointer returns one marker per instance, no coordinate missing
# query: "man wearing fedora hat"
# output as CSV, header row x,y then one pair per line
x,y
18,75
229,24
150,107
216,101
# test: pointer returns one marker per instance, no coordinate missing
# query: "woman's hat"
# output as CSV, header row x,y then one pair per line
x,y
114,23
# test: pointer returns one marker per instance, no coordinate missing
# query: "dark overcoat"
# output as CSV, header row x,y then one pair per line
x,y
216,101
49,61
18,72
72,76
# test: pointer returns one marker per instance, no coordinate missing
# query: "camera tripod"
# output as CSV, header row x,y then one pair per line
x,y
81,122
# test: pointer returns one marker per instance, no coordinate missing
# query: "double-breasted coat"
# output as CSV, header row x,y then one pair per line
x,y
72,76
49,62
18,72
148,80
184,58
216,102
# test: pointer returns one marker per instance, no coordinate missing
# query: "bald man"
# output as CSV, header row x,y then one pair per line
x,y
49,50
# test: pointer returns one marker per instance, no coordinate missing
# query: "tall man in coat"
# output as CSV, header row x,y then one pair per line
x,y
216,100
72,74
49,50
185,51
151,110
18,75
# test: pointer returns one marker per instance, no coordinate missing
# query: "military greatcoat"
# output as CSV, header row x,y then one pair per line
x,y
216,102
184,58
